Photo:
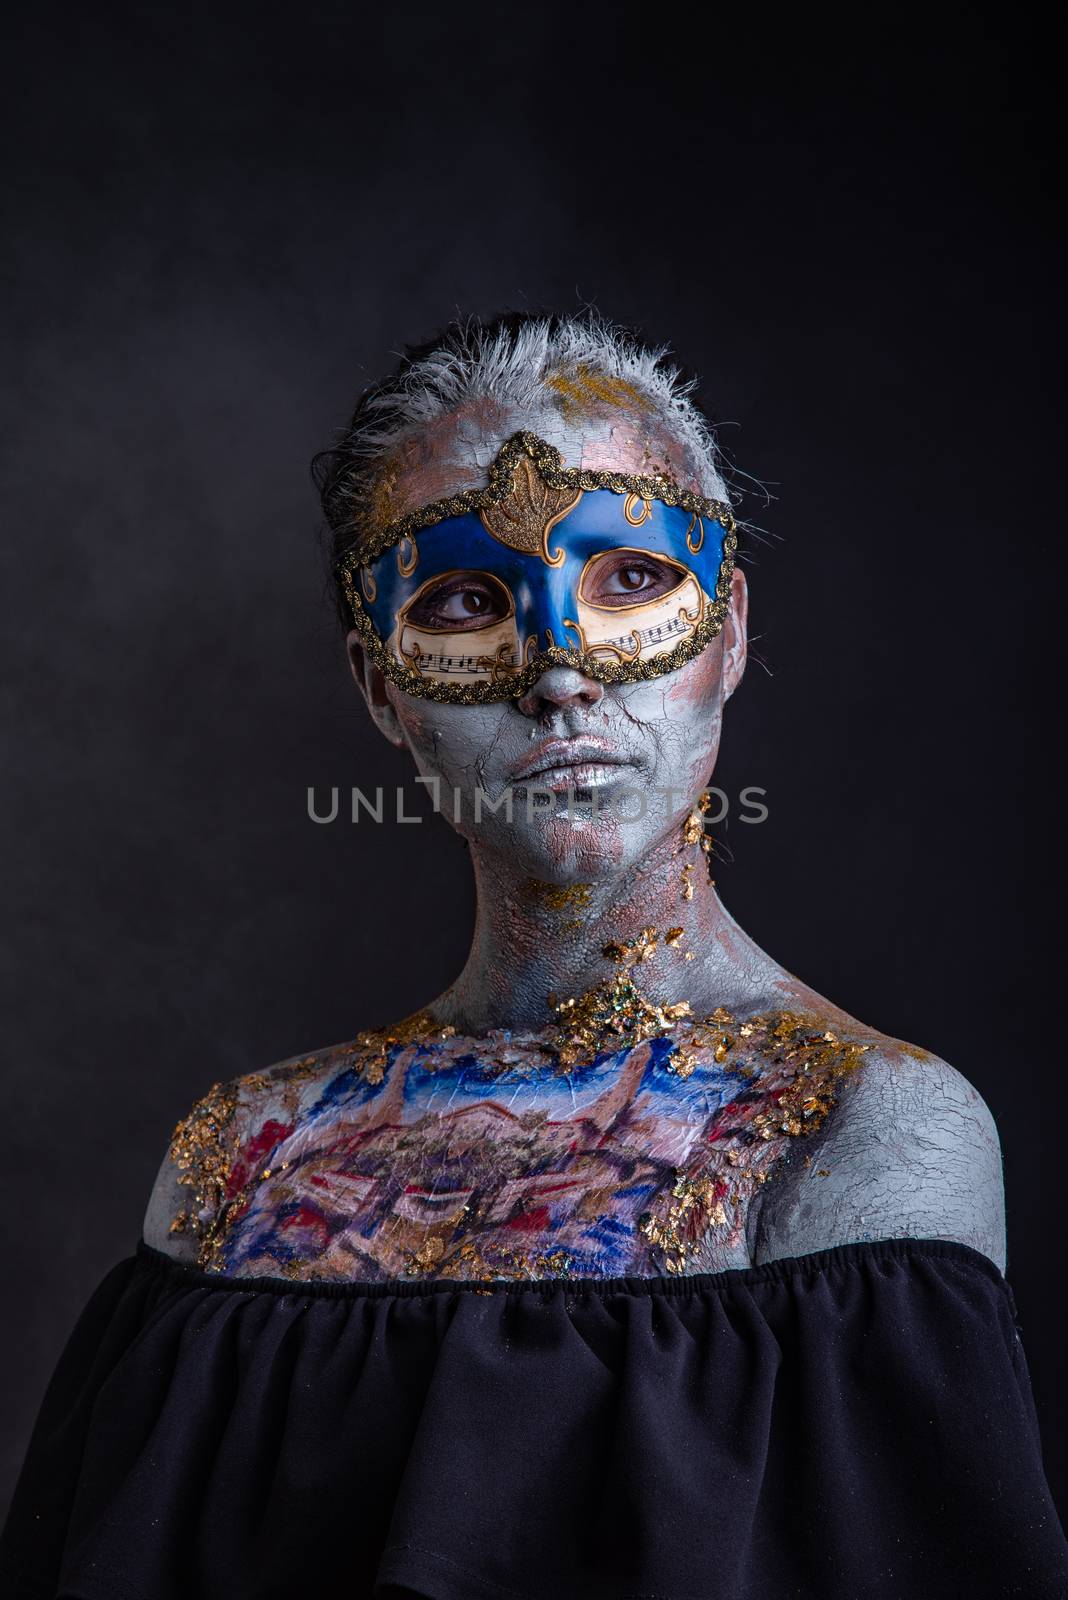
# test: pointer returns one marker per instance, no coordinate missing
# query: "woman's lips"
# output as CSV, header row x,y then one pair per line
x,y
578,775
581,763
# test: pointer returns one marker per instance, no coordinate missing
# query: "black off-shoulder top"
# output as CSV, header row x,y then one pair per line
x,y
849,1424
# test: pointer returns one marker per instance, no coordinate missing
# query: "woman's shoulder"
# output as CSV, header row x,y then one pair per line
x,y
911,1150
224,1132
901,1083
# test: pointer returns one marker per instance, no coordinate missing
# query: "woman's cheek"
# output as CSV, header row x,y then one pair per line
x,y
449,742
699,683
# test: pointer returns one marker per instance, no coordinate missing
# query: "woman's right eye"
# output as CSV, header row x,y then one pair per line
x,y
460,603
463,603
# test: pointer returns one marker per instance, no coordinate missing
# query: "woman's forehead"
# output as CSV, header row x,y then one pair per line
x,y
454,452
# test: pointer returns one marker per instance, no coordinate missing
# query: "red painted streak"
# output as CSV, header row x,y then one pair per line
x,y
255,1152
530,1221
731,1117
307,1219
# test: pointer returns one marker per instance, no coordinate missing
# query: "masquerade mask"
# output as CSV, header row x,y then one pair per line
x,y
473,597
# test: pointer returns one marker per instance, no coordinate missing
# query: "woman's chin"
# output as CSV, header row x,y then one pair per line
x,y
571,846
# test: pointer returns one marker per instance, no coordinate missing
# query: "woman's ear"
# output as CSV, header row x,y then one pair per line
x,y
736,634
371,681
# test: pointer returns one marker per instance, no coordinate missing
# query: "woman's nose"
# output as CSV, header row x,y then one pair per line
x,y
558,689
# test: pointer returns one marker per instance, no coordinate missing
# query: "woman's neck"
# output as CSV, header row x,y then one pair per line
x,y
536,940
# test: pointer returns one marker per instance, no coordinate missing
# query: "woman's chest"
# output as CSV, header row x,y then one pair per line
x,y
456,1164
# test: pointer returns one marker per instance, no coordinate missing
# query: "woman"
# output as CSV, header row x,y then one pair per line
x,y
629,1265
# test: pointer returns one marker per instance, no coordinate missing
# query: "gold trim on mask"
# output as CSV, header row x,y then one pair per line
x,y
611,647
412,658
498,666
407,561
628,509
616,650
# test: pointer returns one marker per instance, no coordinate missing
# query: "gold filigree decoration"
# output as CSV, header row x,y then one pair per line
x,y
500,664
622,654
407,557
524,519
636,518
546,460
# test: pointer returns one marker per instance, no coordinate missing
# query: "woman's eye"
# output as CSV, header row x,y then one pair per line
x,y
458,605
623,582
635,577
464,603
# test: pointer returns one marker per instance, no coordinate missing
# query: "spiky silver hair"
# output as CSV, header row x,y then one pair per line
x,y
513,366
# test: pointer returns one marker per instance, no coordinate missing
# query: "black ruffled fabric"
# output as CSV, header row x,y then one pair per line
x,y
849,1424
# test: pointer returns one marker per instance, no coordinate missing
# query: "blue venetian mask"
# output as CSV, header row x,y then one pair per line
x,y
473,597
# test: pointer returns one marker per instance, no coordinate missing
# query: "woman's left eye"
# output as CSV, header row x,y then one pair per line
x,y
623,581
631,578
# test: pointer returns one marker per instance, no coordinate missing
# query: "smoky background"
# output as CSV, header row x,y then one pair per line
x,y
219,229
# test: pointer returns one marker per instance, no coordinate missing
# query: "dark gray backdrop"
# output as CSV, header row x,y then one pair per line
x,y
221,230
